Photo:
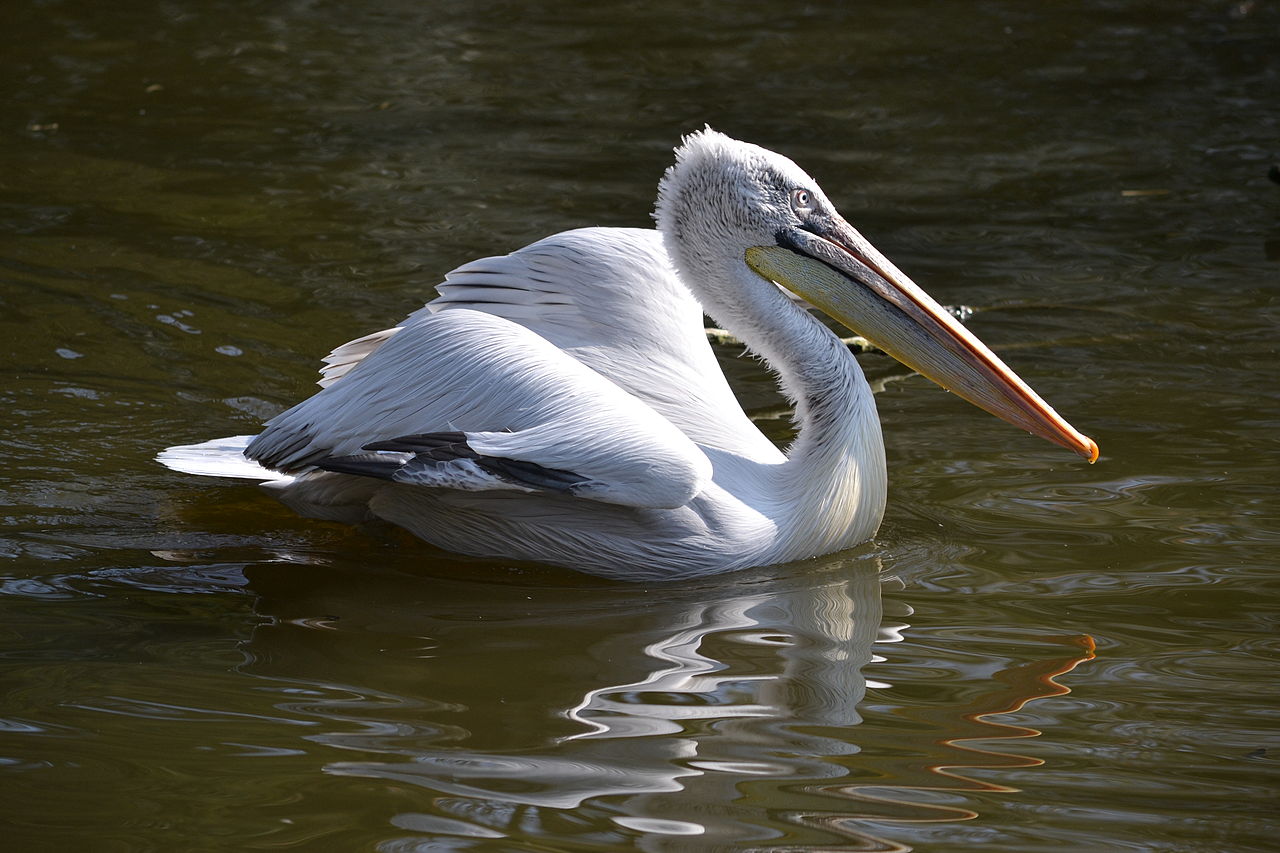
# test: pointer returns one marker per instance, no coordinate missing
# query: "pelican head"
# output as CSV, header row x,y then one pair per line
x,y
734,213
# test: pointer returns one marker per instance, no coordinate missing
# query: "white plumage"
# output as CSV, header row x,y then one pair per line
x,y
562,404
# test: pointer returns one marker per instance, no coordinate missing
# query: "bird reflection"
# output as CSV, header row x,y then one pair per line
x,y
685,717
1014,688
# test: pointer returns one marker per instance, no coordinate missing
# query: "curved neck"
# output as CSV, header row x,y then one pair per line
x,y
830,493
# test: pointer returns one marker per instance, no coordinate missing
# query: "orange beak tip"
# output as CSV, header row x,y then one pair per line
x,y
1090,451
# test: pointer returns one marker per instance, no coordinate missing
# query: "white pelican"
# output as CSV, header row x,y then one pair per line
x,y
561,404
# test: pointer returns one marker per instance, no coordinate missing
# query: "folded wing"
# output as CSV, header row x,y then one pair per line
x,y
609,298
471,400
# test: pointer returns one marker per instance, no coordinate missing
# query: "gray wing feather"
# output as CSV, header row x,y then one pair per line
x,y
513,394
611,298
339,363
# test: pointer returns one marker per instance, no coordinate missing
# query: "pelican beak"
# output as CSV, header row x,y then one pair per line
x,y
833,267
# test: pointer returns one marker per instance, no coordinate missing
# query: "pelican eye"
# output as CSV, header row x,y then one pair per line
x,y
801,201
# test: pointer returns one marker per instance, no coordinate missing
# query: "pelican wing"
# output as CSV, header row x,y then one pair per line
x,y
470,400
610,298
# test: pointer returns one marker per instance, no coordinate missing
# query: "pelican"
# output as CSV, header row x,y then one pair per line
x,y
561,404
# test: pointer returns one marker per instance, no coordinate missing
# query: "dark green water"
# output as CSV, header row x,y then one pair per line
x,y
198,200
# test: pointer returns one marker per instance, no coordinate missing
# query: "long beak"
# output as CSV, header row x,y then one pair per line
x,y
834,268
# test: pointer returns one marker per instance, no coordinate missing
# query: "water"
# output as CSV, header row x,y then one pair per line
x,y
198,200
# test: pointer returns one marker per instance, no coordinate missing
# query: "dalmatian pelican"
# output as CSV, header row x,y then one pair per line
x,y
561,404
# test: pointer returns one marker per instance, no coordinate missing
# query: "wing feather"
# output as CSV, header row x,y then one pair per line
x,y
514,396
595,314
611,298
339,363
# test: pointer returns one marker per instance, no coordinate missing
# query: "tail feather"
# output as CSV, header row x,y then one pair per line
x,y
221,457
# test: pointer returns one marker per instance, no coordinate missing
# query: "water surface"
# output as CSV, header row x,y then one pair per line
x,y
197,201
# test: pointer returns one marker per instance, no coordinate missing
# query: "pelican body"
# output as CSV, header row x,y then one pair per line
x,y
561,404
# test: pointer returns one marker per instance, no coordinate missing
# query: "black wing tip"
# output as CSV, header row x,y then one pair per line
x,y
531,474
437,448
440,446
361,466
